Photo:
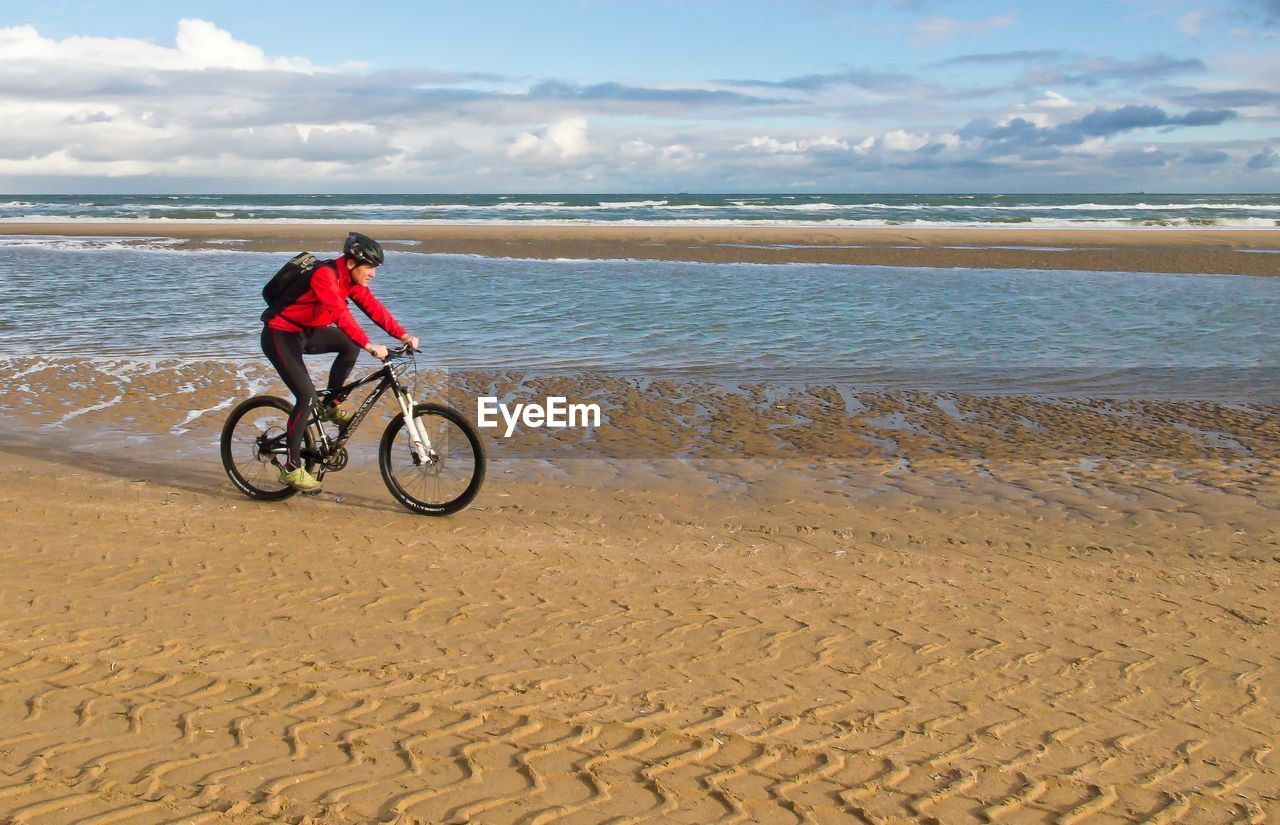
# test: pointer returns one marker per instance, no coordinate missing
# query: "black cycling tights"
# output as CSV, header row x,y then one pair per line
x,y
285,349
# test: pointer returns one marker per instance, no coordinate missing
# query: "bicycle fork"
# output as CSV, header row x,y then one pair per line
x,y
418,439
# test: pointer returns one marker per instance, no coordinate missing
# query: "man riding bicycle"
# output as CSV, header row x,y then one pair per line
x,y
305,327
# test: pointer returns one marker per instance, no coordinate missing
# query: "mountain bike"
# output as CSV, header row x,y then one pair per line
x,y
430,456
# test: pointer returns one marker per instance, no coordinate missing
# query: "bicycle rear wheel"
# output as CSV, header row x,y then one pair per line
x,y
254,449
453,472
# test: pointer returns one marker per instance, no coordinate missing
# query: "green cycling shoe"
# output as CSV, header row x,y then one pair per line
x,y
336,415
300,480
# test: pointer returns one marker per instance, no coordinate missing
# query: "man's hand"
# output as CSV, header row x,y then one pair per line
x,y
411,340
376,350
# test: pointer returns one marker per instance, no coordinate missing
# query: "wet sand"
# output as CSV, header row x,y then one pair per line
x,y
750,604
1220,251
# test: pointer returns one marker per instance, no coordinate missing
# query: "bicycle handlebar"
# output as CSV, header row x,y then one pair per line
x,y
402,351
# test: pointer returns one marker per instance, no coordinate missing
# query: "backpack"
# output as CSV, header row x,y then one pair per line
x,y
289,284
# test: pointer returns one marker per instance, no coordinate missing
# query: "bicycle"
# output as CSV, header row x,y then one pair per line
x,y
430,456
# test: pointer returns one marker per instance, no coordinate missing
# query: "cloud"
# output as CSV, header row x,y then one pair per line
x,y
1229,98
1096,71
1001,58
1055,67
773,146
199,45
1225,13
865,79
1192,23
1021,136
933,31
561,141
1266,159
900,140
1207,157
1204,117
1134,156
557,90
1111,121
1268,11
1053,100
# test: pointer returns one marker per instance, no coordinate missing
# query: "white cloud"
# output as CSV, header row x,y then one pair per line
x,y
679,156
199,45
62,163
773,146
305,130
1052,100
1092,146
564,140
900,140
1192,24
1039,119
935,30
1047,110
636,149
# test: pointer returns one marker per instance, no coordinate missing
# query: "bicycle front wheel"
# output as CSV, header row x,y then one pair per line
x,y
254,448
453,471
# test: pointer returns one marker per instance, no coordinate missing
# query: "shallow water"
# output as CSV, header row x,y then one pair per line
x,y
1083,210
998,331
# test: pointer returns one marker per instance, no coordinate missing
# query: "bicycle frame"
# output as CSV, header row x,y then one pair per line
x,y
387,379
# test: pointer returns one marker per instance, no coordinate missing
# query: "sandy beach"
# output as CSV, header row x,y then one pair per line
x,y
912,608
1232,252
833,413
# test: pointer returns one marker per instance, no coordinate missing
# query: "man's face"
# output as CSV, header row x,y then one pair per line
x,y
362,274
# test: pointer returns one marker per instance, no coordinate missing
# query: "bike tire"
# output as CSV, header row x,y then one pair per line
x,y
439,489
252,472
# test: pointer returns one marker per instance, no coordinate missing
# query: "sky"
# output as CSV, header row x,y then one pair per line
x,y
661,96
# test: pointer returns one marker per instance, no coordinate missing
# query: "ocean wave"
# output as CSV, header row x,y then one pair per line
x,y
957,211
1082,207
354,210
823,206
1014,222
113,244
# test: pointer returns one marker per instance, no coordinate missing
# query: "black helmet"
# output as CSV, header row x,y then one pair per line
x,y
362,249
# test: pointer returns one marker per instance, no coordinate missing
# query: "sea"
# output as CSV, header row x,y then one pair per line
x,y
959,210
999,331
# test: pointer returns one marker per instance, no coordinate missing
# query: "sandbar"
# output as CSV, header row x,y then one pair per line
x,y
1210,251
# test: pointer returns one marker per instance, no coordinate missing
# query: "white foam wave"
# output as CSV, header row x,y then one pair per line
x,y
116,244
1075,207
94,408
192,415
253,376
229,210
164,244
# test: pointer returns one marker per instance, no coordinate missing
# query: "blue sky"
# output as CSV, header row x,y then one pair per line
x,y
588,95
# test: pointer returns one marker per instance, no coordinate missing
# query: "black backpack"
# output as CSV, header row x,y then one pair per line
x,y
289,284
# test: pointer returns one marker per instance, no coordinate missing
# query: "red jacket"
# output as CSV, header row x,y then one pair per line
x,y
325,303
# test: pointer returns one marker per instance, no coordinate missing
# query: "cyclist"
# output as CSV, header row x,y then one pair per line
x,y
305,327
